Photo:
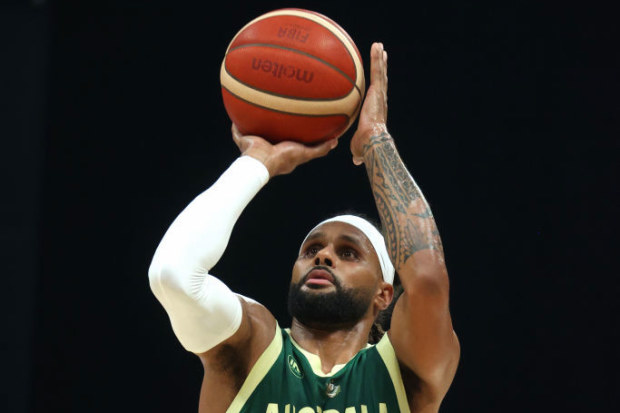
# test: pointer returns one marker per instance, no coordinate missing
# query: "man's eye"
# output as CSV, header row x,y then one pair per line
x,y
349,253
312,250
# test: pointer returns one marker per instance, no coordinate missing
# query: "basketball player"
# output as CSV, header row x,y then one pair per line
x,y
341,280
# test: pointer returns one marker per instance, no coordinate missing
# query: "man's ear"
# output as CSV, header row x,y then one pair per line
x,y
385,295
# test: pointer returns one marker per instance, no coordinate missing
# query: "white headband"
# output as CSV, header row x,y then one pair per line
x,y
373,235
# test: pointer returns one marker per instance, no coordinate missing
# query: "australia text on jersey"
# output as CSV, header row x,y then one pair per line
x,y
274,408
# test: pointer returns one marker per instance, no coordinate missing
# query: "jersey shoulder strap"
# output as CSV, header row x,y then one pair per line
x,y
258,372
388,355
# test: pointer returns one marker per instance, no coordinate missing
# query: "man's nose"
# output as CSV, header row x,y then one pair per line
x,y
324,256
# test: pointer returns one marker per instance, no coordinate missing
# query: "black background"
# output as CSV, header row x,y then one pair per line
x,y
504,112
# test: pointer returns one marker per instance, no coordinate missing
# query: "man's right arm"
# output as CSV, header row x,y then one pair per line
x,y
202,309
203,312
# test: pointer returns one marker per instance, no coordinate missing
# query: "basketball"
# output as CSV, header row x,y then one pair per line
x,y
292,74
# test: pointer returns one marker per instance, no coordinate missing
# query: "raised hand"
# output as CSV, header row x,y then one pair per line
x,y
283,157
373,116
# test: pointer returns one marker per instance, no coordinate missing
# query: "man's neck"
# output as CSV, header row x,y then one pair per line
x,y
331,346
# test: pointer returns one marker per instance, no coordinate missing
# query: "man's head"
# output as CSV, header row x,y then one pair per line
x,y
342,274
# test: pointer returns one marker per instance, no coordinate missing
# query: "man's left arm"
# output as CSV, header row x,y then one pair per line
x,y
421,327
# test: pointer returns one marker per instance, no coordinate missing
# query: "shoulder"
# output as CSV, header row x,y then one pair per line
x,y
227,365
254,334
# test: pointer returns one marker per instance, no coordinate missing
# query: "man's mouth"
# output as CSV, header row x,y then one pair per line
x,y
319,277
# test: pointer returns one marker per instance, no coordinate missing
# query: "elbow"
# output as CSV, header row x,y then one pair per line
x,y
175,277
156,280
153,271
425,276
166,276
430,284
180,269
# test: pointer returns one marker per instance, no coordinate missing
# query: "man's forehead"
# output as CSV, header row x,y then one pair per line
x,y
341,230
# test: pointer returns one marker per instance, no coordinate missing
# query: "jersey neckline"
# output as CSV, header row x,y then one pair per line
x,y
315,361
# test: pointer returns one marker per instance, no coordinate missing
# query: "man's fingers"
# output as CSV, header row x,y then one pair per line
x,y
240,140
385,77
375,70
236,134
378,63
323,149
380,78
235,131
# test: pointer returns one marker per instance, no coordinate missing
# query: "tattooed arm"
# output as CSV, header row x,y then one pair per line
x,y
421,328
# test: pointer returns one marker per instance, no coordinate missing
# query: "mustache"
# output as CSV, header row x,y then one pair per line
x,y
320,267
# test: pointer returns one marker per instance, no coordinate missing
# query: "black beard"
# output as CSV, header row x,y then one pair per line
x,y
337,309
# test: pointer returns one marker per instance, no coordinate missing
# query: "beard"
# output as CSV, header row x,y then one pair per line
x,y
343,307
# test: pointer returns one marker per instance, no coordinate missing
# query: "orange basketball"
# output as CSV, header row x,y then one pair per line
x,y
292,74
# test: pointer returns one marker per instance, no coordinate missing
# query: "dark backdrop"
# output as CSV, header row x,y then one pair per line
x,y
505,113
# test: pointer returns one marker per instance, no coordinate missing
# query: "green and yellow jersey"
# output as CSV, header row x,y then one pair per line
x,y
288,379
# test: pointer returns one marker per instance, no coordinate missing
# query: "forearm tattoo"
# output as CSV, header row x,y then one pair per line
x,y
406,217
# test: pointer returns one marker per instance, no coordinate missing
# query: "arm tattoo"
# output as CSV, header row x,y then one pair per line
x,y
406,217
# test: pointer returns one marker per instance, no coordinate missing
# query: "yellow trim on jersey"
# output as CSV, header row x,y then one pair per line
x,y
258,372
314,360
387,353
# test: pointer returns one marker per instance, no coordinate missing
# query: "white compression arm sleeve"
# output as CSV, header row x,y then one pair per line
x,y
203,311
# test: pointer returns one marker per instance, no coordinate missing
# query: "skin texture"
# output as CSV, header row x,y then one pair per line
x,y
421,328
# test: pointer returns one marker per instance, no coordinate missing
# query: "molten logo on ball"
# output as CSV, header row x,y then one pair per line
x,y
278,70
